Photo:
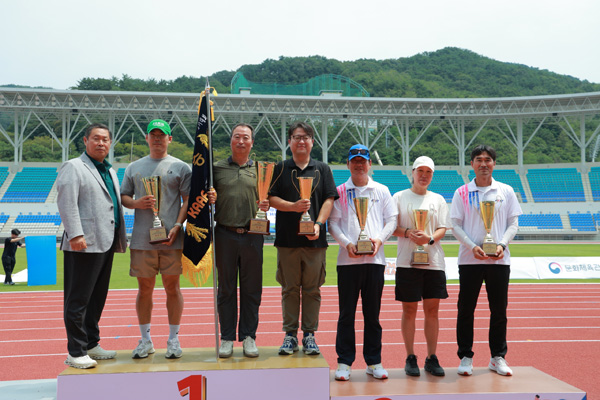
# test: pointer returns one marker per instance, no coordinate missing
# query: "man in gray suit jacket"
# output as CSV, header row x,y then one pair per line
x,y
90,207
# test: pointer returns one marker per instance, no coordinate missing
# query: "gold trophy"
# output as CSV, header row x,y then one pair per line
x,y
260,224
364,244
488,211
420,218
306,225
158,233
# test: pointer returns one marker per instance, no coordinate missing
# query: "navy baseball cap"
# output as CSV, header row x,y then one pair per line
x,y
359,150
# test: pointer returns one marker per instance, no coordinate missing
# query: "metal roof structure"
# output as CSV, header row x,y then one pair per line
x,y
65,113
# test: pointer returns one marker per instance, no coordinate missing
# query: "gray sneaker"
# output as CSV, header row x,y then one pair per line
x,y
173,349
226,349
249,346
143,349
98,353
83,362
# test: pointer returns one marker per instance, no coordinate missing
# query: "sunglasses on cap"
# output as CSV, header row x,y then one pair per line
x,y
362,152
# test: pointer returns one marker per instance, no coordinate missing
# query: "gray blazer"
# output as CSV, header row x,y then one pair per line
x,y
86,208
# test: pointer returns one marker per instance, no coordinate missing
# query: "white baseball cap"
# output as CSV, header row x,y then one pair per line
x,y
424,161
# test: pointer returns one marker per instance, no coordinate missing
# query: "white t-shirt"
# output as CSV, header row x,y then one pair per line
x,y
438,218
465,209
343,223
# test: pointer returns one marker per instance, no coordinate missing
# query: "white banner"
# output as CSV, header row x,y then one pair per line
x,y
528,268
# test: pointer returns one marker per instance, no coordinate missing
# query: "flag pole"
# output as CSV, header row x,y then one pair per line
x,y
212,216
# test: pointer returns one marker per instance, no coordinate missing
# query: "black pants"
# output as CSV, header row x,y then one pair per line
x,y
9,265
241,254
87,276
496,279
367,281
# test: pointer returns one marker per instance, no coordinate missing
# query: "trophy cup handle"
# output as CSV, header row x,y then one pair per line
x,y
294,174
275,180
317,177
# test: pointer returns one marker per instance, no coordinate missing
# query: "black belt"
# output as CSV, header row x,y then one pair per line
x,y
240,231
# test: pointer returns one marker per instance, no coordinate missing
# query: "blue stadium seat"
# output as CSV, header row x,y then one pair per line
x,y
395,180
582,222
30,185
445,183
541,221
594,176
556,185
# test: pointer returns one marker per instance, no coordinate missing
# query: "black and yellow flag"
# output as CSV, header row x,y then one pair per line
x,y
197,243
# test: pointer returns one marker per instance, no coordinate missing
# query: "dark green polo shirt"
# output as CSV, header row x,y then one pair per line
x,y
236,192
103,169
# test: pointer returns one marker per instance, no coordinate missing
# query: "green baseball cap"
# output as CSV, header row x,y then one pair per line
x,y
159,124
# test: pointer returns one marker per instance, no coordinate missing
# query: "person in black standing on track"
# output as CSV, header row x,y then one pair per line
x,y
9,255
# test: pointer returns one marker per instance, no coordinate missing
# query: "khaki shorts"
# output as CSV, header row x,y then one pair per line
x,y
148,263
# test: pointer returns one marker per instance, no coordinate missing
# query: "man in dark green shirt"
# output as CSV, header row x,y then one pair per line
x,y
236,250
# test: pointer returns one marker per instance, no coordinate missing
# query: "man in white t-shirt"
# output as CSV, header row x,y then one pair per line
x,y
360,274
475,267
421,281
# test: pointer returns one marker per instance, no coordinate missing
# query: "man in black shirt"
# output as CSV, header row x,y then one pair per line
x,y
301,258
9,255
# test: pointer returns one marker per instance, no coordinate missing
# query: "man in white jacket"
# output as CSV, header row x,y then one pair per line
x,y
361,274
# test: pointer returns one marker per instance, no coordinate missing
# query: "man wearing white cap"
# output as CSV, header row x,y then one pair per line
x,y
425,280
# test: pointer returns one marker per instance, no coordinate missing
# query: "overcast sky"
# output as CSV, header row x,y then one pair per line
x,y
56,43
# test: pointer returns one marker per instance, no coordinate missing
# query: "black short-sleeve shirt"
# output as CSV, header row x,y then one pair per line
x,y
10,248
286,225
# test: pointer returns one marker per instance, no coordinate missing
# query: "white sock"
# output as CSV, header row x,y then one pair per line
x,y
145,331
173,331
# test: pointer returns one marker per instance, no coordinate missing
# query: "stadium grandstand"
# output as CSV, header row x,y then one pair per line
x,y
560,201
551,211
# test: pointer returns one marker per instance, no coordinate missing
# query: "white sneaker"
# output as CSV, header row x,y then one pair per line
x,y
342,373
249,347
377,371
226,349
173,349
143,348
499,365
466,366
98,353
83,362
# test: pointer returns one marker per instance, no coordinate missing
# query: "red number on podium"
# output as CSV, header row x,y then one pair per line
x,y
194,385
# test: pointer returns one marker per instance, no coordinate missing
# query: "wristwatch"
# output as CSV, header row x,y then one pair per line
x,y
321,225
431,241
179,224
502,245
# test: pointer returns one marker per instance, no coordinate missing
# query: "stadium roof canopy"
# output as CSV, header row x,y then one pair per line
x,y
64,114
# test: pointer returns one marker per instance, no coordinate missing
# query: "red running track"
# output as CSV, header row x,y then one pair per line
x,y
552,327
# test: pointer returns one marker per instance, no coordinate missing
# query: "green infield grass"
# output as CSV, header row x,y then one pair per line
x,y
120,278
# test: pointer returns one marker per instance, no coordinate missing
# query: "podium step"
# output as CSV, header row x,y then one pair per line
x,y
527,383
200,375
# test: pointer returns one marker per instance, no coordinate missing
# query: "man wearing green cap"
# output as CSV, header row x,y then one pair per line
x,y
147,259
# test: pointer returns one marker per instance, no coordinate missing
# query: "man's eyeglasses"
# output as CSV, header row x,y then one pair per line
x,y
362,152
301,138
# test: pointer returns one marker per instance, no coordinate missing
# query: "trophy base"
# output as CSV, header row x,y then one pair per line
x,y
489,248
306,228
158,235
259,226
364,247
419,258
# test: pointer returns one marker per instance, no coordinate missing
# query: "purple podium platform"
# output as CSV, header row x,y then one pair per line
x,y
527,383
198,375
